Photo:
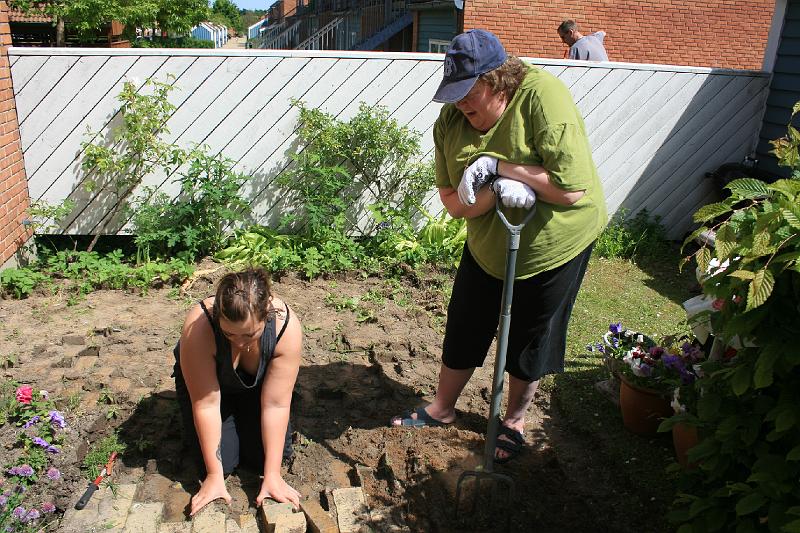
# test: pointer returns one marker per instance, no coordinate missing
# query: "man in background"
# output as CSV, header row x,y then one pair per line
x,y
584,47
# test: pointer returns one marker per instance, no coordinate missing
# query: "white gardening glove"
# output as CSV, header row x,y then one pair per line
x,y
476,176
514,193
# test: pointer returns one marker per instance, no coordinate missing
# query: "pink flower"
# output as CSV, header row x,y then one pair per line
x,y
25,394
718,304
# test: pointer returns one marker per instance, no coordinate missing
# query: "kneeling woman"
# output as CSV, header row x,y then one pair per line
x,y
235,368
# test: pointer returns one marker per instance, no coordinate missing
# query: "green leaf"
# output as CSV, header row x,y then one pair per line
x,y
703,257
765,365
725,242
748,188
788,187
740,381
759,289
761,241
791,527
785,420
710,211
742,274
794,455
693,235
791,218
750,503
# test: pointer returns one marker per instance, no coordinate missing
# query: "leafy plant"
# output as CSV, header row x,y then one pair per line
x,y
39,435
626,237
88,271
748,405
99,452
194,224
20,282
136,147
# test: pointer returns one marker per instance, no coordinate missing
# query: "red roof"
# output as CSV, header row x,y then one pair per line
x,y
32,16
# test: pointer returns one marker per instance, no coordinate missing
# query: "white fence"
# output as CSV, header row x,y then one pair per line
x,y
655,130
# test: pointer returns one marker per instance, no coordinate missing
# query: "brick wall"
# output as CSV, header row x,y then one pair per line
x,y
13,182
707,33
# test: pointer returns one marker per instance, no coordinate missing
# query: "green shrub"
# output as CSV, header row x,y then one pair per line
x,y
20,282
88,271
628,237
748,407
359,188
172,42
194,224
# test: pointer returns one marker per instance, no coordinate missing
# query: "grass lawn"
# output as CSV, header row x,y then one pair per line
x,y
645,297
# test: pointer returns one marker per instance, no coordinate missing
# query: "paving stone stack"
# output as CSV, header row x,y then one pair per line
x,y
117,511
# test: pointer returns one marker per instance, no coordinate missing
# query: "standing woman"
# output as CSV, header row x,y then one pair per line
x,y
512,131
235,367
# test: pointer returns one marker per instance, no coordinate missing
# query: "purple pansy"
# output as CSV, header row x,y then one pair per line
x,y
57,419
32,421
616,329
21,471
672,361
44,444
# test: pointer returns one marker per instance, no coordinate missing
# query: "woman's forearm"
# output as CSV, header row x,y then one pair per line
x,y
536,178
208,424
274,422
484,202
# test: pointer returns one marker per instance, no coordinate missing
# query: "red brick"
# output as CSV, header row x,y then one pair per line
x,y
674,26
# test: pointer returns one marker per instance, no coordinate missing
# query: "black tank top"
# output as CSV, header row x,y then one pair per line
x,y
232,381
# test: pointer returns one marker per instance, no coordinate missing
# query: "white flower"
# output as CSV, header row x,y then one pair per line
x,y
44,394
676,404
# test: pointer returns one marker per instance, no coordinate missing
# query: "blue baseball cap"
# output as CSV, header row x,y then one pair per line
x,y
471,54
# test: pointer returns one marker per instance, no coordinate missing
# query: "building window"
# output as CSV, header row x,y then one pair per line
x,y
438,46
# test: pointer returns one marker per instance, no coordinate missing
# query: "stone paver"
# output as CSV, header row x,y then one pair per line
x,y
175,527
245,524
144,518
319,521
351,507
105,511
209,520
291,523
271,511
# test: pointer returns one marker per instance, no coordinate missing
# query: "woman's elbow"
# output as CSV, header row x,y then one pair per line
x,y
570,198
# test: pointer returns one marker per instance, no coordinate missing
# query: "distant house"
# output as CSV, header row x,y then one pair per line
x,y
435,23
258,28
207,31
36,28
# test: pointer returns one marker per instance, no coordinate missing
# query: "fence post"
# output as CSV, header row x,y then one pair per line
x,y
14,199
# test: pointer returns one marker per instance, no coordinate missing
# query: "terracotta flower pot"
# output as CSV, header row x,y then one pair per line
x,y
684,438
642,409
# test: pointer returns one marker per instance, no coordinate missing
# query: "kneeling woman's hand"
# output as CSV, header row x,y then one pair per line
x,y
276,488
212,489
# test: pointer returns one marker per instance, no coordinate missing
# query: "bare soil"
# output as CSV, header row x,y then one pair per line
x,y
357,373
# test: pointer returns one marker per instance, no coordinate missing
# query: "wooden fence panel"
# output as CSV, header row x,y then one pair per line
x,y
655,130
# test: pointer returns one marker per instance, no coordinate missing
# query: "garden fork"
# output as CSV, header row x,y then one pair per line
x,y
487,473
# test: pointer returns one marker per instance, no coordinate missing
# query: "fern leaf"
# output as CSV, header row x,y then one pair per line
x,y
760,288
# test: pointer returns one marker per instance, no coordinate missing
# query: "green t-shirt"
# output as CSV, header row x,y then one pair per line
x,y
540,126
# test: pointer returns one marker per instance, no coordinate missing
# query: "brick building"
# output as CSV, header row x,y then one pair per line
x,y
13,182
705,33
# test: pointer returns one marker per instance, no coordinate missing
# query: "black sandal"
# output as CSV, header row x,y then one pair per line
x,y
513,447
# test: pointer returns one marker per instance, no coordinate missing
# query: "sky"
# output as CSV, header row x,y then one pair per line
x,y
253,4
